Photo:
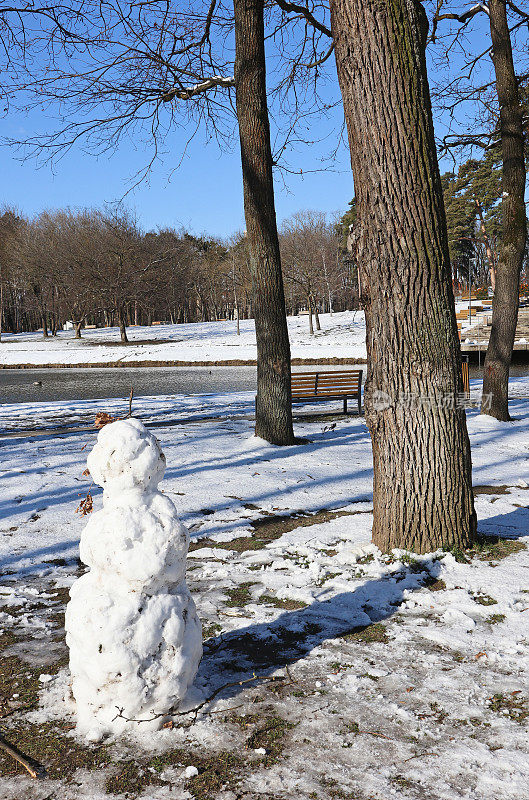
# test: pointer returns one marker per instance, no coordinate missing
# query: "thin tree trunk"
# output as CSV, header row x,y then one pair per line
x,y
514,223
273,407
422,493
44,320
316,315
311,326
122,326
489,252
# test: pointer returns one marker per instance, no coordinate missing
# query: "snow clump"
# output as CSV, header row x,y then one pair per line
x,y
131,626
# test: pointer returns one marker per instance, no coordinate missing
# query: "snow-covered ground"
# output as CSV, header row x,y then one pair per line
x,y
342,335
396,676
173,408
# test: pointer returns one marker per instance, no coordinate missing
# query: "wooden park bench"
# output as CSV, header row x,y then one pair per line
x,y
321,386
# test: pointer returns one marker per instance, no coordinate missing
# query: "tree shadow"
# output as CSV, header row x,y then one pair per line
x,y
264,647
513,525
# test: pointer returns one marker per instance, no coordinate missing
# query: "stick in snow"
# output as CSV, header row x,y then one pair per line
x,y
205,702
35,771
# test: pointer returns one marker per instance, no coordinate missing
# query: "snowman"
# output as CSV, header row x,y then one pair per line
x,y
134,637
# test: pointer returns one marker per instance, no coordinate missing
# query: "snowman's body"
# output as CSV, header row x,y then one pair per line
x,y
131,625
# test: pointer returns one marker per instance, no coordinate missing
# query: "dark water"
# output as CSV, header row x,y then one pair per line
x,y
18,385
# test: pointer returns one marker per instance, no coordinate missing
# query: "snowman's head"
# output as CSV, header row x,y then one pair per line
x,y
126,456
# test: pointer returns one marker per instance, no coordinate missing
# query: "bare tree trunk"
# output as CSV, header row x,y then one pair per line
x,y
514,222
122,326
422,494
273,407
316,315
78,326
311,326
44,320
489,252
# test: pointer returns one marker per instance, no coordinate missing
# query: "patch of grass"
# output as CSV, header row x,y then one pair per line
x,y
400,780
337,667
48,745
271,735
494,619
243,720
488,548
494,548
288,605
376,632
328,576
461,556
17,677
240,596
440,713
270,528
211,630
367,559
515,706
352,727
275,648
434,584
220,770
61,594
484,600
8,638
488,489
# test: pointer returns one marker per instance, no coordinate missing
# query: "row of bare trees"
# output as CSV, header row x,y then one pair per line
x,y
98,267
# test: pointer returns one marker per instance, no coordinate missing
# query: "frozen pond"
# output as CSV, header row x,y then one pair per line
x,y
49,385
18,385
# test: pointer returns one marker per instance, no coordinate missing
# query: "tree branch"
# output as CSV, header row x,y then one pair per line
x,y
304,11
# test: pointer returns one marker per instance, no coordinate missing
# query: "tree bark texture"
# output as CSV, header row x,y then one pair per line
x,y
422,492
514,222
273,407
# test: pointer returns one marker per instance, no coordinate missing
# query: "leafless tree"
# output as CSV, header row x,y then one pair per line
x,y
497,94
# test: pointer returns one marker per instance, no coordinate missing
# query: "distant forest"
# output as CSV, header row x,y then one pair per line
x,y
98,267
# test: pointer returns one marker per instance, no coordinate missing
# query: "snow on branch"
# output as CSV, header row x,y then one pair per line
x,y
186,92
478,8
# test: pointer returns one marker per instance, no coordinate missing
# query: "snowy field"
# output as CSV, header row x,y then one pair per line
x,y
342,336
393,676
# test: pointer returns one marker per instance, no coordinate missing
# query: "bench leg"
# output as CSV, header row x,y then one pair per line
x,y
345,405
359,404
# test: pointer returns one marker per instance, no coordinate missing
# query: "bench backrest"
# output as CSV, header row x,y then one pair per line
x,y
316,384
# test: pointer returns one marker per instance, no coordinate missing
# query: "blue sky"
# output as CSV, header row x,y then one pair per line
x,y
204,194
